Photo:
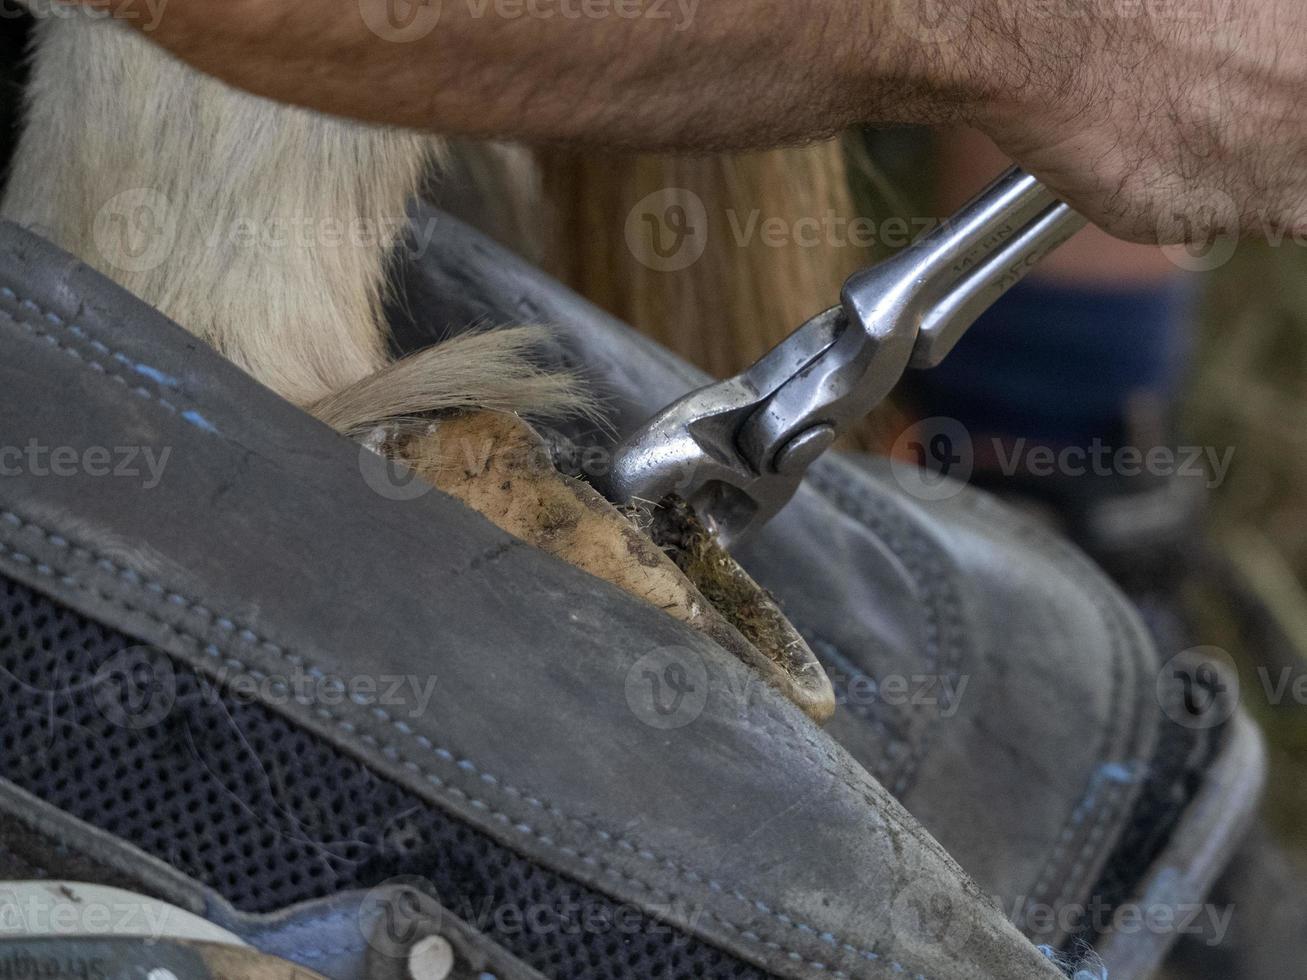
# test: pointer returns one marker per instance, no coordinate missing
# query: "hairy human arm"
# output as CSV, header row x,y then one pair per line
x,y
648,74
1164,119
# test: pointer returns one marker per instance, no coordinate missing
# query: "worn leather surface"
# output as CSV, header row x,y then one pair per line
x,y
989,675
263,547
1057,669
1055,729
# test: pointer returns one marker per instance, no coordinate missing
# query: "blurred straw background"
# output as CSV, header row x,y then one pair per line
x,y
1248,390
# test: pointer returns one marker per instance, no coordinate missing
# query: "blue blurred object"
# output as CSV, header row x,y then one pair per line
x,y
1061,364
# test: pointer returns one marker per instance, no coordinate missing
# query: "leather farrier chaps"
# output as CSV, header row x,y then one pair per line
x,y
249,682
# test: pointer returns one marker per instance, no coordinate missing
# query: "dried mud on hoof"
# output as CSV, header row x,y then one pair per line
x,y
498,465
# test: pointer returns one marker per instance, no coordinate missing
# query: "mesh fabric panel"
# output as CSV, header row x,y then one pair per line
x,y
242,800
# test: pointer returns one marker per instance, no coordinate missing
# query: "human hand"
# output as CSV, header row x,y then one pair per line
x,y
1161,120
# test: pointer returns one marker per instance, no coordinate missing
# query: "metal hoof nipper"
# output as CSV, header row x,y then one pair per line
x,y
738,449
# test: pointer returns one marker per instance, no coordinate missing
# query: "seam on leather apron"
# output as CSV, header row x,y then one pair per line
x,y
155,593
943,606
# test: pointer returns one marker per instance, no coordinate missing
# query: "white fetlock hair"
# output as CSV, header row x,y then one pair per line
x,y
476,370
262,228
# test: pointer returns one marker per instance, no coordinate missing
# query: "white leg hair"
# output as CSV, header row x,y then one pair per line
x,y
264,229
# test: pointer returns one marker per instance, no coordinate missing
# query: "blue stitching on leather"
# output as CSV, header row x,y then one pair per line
x,y
392,752
159,377
199,421
153,373
133,578
1098,825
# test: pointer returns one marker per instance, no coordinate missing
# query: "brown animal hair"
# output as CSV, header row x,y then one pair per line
x,y
777,249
